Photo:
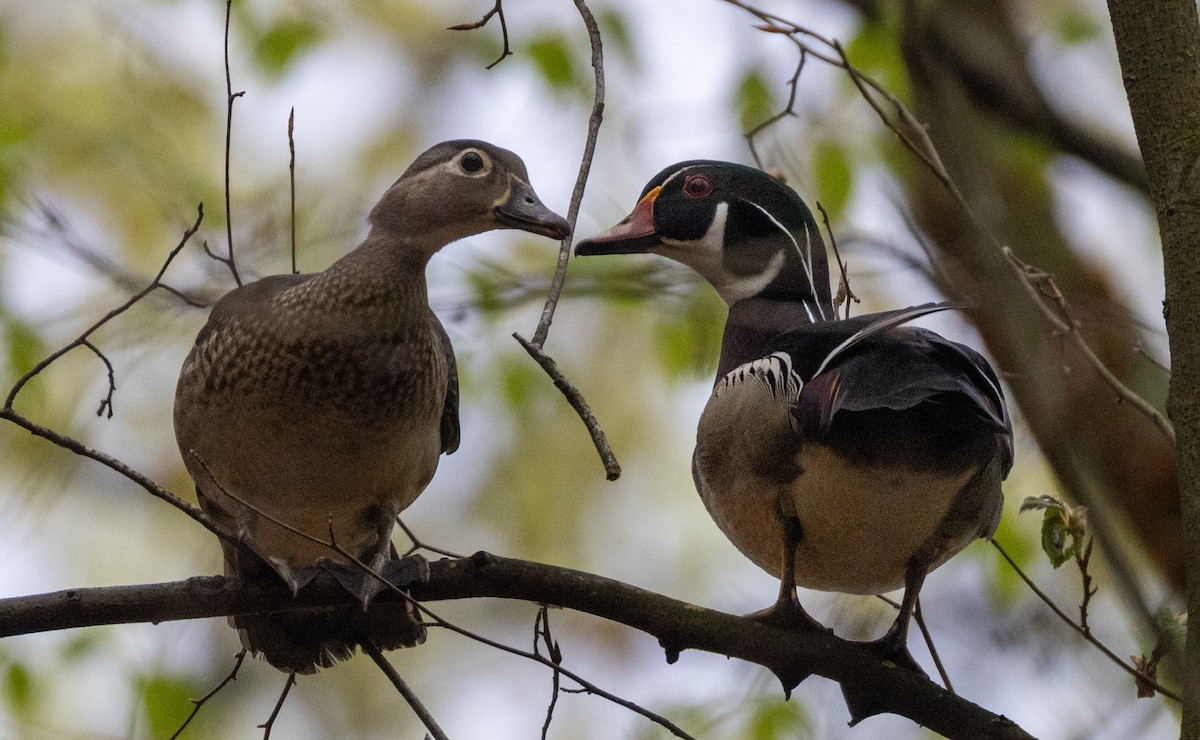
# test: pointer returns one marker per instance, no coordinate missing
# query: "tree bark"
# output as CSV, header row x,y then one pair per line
x,y
676,624
1158,44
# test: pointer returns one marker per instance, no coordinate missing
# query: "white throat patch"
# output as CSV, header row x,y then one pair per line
x,y
706,256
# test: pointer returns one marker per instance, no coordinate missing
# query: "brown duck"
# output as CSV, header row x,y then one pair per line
x,y
323,401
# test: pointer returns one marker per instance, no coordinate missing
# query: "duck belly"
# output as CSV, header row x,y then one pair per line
x,y
861,524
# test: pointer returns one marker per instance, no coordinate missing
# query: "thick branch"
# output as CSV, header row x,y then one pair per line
x,y
673,622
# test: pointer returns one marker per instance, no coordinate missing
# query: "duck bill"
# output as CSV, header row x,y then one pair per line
x,y
523,210
633,235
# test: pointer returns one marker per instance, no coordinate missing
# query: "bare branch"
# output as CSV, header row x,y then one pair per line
x,y
585,166
230,97
270,723
1085,633
542,636
417,544
82,339
485,576
788,110
612,469
405,690
106,402
292,180
237,664
1042,290
843,290
156,490
497,10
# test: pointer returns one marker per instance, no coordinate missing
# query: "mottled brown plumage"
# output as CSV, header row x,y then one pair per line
x,y
323,401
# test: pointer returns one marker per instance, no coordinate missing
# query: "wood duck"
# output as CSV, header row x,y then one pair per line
x,y
842,455
324,400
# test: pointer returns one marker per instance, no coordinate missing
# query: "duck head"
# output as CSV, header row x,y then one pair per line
x,y
459,188
742,230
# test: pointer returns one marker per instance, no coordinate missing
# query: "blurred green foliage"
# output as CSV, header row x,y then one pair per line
x,y
554,57
753,98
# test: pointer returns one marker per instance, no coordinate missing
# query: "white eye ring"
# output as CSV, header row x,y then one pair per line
x,y
473,163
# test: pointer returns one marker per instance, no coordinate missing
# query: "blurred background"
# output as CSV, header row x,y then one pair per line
x,y
112,131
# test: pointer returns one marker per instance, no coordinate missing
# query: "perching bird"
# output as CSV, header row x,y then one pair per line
x,y
842,455
323,401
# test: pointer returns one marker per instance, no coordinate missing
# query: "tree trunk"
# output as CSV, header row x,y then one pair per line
x,y
1158,43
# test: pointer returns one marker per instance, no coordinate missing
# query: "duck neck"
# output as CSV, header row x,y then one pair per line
x,y
753,323
382,271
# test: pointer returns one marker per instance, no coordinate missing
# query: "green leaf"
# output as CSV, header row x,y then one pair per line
x,y
1077,27
753,99
834,177
1062,527
876,51
18,689
615,32
279,46
167,702
776,719
551,54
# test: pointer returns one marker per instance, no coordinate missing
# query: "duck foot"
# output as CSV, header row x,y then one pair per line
x,y
892,648
787,614
866,702
364,586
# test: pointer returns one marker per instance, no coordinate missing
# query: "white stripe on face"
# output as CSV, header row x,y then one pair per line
x,y
706,256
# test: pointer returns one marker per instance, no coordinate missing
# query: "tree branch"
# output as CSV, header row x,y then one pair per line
x,y
673,622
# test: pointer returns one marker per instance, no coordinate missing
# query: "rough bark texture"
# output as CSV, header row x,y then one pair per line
x,y
1158,43
1106,454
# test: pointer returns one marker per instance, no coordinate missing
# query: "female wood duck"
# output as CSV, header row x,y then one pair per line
x,y
842,455
324,400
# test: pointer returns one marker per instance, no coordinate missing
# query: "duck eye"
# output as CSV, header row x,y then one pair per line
x,y
697,186
471,162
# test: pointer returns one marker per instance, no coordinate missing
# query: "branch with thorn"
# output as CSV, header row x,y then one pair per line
x,y
498,11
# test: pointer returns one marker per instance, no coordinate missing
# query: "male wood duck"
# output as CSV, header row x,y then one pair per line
x,y
842,455
324,400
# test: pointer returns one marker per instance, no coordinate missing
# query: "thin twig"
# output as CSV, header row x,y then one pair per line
x,y
926,635
417,544
585,166
788,110
230,97
270,723
541,635
106,403
156,490
612,469
497,10
1040,287
292,180
844,289
197,703
1082,560
405,690
1087,635
82,339
919,618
